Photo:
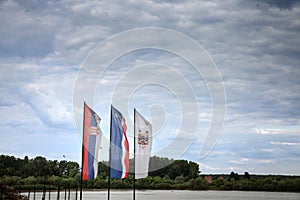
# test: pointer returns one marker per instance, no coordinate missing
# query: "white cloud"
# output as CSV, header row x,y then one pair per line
x,y
47,107
205,168
275,131
252,161
285,143
268,150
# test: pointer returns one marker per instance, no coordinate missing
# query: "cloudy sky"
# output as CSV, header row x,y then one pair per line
x,y
53,55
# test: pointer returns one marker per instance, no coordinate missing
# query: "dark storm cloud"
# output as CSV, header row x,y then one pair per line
x,y
287,4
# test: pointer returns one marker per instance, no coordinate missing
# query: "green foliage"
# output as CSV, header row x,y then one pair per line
x,y
39,166
198,184
260,183
164,174
234,176
246,175
165,167
120,183
179,179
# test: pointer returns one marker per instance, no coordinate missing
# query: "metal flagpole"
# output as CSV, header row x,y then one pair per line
x,y
108,190
82,151
134,156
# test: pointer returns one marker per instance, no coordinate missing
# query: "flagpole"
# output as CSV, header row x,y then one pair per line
x,y
134,156
82,151
108,190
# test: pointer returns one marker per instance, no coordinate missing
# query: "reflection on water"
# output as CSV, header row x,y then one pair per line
x,y
168,194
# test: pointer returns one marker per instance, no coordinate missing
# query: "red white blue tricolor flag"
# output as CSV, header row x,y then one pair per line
x,y
119,147
91,143
143,145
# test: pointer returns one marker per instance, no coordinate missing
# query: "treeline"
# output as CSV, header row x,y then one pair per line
x,y
37,172
39,166
164,173
161,167
247,182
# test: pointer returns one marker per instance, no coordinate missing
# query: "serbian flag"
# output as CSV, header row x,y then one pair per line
x,y
119,147
91,143
143,145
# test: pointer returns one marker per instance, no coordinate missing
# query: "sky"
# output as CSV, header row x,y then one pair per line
x,y
218,80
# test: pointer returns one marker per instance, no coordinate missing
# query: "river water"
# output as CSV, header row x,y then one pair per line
x,y
170,194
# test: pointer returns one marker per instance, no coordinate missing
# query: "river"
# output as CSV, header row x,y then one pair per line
x,y
171,194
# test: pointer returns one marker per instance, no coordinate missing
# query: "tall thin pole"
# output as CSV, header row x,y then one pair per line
x,y
108,190
134,155
82,151
58,193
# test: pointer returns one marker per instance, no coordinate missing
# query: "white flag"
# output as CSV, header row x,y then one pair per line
x,y
143,145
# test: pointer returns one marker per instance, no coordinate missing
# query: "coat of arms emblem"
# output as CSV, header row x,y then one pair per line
x,y
143,138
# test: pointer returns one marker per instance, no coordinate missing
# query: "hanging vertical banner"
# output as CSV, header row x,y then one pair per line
x,y
143,145
119,146
91,143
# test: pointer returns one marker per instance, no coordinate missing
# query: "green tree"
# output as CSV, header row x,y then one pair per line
x,y
103,169
53,167
198,184
231,176
193,169
72,169
179,179
246,175
227,185
39,166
